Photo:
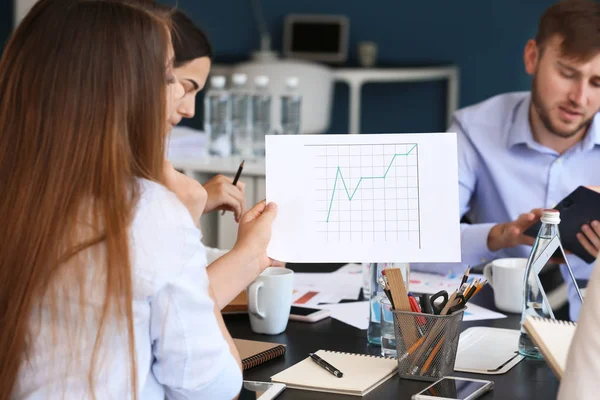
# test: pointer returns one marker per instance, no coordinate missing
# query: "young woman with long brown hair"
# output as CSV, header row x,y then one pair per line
x,y
103,286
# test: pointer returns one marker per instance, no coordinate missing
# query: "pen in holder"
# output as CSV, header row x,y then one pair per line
x,y
432,353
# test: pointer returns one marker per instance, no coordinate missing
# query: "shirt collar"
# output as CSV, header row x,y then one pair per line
x,y
520,130
592,138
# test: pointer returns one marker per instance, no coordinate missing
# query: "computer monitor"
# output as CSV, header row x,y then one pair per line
x,y
316,37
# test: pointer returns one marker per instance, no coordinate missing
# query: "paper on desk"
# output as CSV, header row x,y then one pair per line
x,y
364,198
355,313
349,269
309,297
478,313
423,282
315,288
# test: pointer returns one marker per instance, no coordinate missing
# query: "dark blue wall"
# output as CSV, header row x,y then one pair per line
x,y
484,38
6,15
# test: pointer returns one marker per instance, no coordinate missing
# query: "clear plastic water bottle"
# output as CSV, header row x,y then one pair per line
x,y
241,116
261,111
376,293
217,118
366,280
533,300
291,103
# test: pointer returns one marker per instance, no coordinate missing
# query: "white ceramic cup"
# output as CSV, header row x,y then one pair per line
x,y
505,276
270,300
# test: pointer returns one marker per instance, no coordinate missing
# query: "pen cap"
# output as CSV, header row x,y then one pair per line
x,y
550,216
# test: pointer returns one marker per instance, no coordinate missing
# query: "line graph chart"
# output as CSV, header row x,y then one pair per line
x,y
367,192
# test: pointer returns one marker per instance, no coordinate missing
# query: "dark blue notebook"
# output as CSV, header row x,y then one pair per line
x,y
581,206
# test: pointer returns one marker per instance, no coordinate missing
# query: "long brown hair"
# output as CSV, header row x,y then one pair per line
x,y
82,115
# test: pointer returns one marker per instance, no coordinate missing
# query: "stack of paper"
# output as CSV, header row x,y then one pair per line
x,y
311,289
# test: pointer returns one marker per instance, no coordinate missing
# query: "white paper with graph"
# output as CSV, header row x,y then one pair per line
x,y
364,198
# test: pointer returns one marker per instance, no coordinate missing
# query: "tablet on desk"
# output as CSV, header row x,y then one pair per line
x,y
580,207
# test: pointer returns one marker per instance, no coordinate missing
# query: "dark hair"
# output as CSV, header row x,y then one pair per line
x,y
189,41
577,23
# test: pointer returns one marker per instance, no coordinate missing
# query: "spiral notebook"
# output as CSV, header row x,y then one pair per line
x,y
362,373
553,338
254,353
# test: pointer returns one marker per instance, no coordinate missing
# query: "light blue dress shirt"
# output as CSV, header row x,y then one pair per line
x,y
504,172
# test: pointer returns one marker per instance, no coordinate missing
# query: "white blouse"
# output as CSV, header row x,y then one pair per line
x,y
180,351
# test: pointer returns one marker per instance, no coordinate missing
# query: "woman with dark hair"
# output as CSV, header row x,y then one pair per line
x,y
103,286
193,54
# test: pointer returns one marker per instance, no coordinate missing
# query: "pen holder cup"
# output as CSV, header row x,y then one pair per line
x,y
426,344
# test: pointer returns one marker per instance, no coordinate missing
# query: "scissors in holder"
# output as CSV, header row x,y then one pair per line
x,y
451,303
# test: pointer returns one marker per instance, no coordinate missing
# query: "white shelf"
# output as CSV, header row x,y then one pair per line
x,y
355,78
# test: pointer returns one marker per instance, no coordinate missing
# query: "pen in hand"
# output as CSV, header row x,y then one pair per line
x,y
330,368
236,178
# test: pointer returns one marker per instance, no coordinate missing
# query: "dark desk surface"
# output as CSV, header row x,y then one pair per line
x,y
527,380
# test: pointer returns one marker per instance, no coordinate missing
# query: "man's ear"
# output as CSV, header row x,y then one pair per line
x,y
531,56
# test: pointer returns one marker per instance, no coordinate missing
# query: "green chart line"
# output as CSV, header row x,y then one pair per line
x,y
350,197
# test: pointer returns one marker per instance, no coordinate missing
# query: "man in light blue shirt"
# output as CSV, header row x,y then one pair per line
x,y
523,151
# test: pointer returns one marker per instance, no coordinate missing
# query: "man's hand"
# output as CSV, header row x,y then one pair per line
x,y
590,238
222,195
511,234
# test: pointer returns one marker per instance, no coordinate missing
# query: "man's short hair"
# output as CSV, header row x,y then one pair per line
x,y
577,23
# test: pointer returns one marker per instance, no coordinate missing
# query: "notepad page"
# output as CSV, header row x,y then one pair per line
x,y
362,373
553,338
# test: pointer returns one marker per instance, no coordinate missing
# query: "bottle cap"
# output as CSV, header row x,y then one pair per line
x,y
261,80
291,82
550,216
217,81
239,78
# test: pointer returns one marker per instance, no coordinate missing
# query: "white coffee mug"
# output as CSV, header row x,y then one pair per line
x,y
270,300
505,276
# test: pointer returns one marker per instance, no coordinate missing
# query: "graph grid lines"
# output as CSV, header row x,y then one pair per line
x,y
368,192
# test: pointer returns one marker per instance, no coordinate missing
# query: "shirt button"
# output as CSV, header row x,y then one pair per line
x,y
559,161
483,260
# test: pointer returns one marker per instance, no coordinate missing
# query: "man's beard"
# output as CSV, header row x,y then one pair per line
x,y
544,115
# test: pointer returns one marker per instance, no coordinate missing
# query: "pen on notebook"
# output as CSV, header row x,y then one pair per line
x,y
236,177
330,368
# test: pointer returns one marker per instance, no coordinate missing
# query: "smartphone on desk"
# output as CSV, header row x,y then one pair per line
x,y
308,314
452,388
252,390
